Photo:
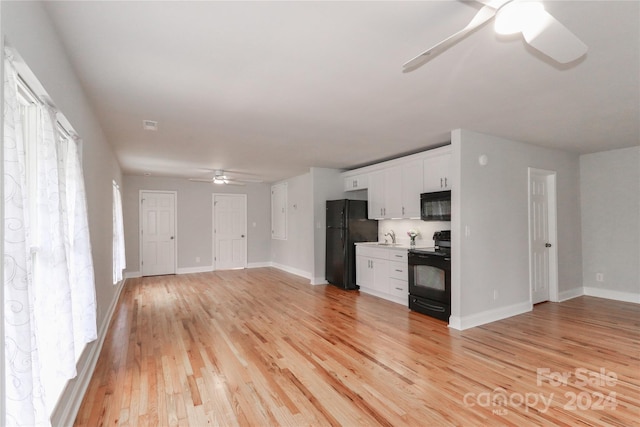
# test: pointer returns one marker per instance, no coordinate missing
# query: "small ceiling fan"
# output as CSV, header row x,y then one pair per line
x,y
221,178
539,29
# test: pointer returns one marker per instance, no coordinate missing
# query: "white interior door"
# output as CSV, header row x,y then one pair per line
x,y
230,231
542,236
157,232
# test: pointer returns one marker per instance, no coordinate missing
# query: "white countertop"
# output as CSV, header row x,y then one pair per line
x,y
396,246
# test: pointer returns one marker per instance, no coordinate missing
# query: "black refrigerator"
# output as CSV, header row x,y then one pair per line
x,y
347,224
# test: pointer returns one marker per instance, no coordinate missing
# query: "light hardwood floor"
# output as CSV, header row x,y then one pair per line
x,y
262,347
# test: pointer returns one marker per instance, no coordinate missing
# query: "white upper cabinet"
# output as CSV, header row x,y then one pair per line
x,y
412,182
395,192
394,186
385,194
437,173
356,182
377,194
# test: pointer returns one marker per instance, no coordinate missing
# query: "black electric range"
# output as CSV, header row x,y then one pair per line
x,y
430,277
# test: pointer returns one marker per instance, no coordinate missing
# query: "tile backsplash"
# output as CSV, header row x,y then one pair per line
x,y
401,226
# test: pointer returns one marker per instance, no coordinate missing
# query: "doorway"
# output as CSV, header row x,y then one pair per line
x,y
543,252
157,232
229,231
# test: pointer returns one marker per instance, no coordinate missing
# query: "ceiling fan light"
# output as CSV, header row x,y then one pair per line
x,y
220,180
514,17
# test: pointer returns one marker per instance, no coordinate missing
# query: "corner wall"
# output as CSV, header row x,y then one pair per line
x,y
610,200
327,184
493,203
295,254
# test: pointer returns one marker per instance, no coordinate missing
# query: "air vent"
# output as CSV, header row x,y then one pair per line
x,y
150,125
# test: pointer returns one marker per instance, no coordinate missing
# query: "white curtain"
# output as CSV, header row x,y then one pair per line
x,y
50,309
119,259
24,399
77,244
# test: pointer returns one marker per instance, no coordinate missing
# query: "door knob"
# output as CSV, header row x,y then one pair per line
x,y
242,235
547,245
171,237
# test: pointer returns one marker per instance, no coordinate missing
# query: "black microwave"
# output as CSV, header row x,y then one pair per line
x,y
435,206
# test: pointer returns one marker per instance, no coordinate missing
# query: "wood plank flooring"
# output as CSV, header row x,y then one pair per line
x,y
261,347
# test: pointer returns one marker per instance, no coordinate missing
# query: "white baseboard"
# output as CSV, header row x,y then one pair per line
x,y
570,294
292,270
611,294
132,274
191,270
259,264
319,281
69,404
466,322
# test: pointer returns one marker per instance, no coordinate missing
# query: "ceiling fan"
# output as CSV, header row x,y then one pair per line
x,y
221,178
539,29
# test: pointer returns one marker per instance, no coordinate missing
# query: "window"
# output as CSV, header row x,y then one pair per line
x,y
49,277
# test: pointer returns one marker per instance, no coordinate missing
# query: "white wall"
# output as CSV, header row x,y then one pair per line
x,y
295,254
327,184
27,28
610,200
194,220
492,201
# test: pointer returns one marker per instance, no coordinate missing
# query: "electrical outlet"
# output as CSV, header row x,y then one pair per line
x,y
495,294
599,277
197,259
467,231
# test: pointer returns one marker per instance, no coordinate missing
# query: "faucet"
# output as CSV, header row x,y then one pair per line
x,y
391,234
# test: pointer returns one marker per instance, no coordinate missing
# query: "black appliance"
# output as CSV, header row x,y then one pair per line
x,y
430,277
347,224
435,206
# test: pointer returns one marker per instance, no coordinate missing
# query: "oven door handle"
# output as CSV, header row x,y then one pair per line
x,y
429,306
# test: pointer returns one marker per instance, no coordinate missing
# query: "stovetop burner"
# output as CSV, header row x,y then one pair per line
x,y
432,251
442,240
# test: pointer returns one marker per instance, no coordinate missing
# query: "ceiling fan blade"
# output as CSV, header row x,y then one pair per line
x,y
201,179
482,17
555,40
255,181
219,171
234,183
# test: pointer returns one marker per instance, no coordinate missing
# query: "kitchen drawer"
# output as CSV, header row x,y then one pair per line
x,y
398,270
372,251
399,288
398,255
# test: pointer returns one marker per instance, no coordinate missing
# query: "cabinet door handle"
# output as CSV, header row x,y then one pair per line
x,y
403,210
440,182
399,271
445,182
399,289
398,256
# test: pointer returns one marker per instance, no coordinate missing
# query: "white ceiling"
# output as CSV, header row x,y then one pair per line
x,y
273,88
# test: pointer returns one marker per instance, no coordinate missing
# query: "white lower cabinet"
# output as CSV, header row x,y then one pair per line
x,y
383,272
